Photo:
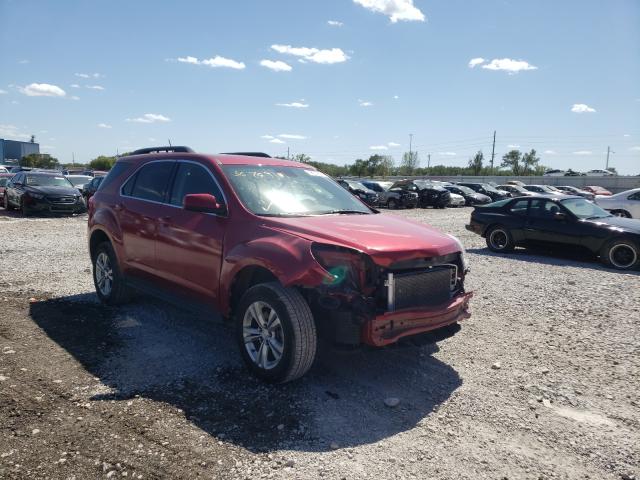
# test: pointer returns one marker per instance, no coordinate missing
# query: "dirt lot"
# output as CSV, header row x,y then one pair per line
x,y
541,383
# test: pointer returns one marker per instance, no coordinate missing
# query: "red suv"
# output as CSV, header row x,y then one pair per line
x,y
279,248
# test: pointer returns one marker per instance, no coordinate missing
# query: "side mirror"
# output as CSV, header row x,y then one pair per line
x,y
560,217
202,202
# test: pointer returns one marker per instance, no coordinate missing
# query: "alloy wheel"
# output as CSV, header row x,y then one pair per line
x,y
499,239
263,335
104,274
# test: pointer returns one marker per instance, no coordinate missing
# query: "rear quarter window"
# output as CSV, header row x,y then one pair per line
x,y
114,174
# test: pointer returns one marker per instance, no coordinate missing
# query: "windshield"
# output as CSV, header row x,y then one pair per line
x,y
284,191
47,181
582,208
357,186
79,179
466,190
490,188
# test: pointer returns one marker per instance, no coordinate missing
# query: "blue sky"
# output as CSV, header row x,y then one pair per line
x,y
93,77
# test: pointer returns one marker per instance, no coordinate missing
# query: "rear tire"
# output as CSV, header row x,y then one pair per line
x,y
276,332
392,204
110,283
621,213
621,254
499,239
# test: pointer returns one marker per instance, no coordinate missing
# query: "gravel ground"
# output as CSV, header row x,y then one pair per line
x,y
541,383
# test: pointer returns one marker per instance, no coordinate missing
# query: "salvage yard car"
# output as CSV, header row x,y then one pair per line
x,y
390,197
623,204
429,194
470,196
42,192
357,189
280,249
561,221
486,189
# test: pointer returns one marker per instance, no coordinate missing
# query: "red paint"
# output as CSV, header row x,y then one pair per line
x,y
202,253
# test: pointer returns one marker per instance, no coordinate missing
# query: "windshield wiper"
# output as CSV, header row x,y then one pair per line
x,y
343,212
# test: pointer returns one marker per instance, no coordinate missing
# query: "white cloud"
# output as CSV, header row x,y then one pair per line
x,y
393,144
396,97
292,136
189,59
149,118
104,125
582,108
293,105
23,62
48,147
583,152
625,135
88,75
335,23
94,87
42,90
394,9
75,97
74,85
267,137
378,147
509,65
3,92
474,62
276,140
315,55
11,131
364,103
219,61
550,152
513,146
447,154
635,149
215,62
276,65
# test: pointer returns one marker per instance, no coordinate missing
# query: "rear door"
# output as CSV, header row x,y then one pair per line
x,y
189,244
632,204
141,207
518,213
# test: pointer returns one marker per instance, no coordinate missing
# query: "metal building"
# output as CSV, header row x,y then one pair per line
x,y
11,151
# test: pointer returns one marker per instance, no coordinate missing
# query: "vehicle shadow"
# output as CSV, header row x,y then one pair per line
x,y
153,350
575,258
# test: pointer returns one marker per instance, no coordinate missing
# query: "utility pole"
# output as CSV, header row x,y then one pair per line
x,y
73,159
608,152
493,151
410,144
429,163
287,153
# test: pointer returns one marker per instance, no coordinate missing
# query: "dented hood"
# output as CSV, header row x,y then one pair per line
x,y
385,238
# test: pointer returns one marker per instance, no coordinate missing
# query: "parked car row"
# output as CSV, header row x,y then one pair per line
x,y
572,173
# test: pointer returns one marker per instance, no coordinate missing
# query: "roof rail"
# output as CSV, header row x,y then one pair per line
x,y
178,149
248,154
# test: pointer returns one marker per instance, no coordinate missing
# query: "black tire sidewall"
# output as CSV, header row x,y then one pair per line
x,y
267,295
117,278
508,247
606,258
392,204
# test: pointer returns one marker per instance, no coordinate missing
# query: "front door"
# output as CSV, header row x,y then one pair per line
x,y
189,244
544,227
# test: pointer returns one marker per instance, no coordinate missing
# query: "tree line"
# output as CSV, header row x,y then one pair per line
x,y
514,162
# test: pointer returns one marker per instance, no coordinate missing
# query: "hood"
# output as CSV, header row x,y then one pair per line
x,y
385,238
481,197
631,225
54,190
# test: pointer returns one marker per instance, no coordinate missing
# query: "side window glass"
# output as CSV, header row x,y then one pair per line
x,y
152,181
191,178
127,189
635,196
543,209
519,208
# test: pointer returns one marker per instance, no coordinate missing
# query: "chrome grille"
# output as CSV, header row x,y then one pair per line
x,y
67,199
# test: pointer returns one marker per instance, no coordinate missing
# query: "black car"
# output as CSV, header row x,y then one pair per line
x,y
365,194
471,197
90,188
392,197
429,195
571,190
560,221
486,189
42,192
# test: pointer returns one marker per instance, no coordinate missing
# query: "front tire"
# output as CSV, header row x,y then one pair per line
x,y
276,332
23,209
392,204
499,239
622,254
110,284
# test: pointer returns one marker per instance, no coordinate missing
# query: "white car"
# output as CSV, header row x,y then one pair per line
x,y
3,170
623,204
456,200
599,173
554,173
